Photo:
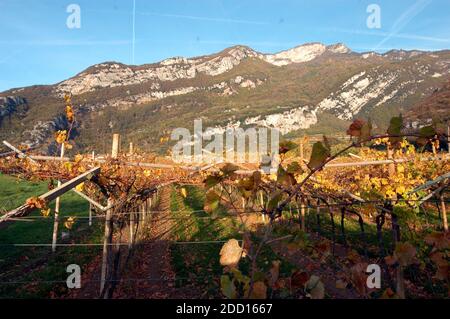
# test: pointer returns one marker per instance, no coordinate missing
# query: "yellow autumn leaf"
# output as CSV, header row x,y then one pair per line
x,y
69,113
60,136
400,190
36,202
68,146
45,212
68,166
80,187
390,193
69,222
163,139
78,158
184,192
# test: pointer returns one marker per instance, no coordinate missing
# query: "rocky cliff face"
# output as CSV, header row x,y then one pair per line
x,y
304,53
285,122
42,130
375,87
288,121
435,106
114,74
224,88
10,105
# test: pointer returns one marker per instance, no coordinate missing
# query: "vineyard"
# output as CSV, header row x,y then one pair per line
x,y
141,226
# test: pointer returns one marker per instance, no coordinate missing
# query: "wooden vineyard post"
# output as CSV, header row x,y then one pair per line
x,y
302,211
400,280
132,234
344,237
400,289
50,195
57,207
91,210
302,151
318,214
131,150
261,198
307,211
143,208
19,152
139,213
107,241
443,211
115,146
149,206
448,136
400,283
146,209
390,156
433,146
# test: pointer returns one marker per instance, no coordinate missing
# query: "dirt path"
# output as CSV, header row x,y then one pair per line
x,y
150,274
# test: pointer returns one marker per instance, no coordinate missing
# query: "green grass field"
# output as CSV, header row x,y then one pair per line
x,y
36,272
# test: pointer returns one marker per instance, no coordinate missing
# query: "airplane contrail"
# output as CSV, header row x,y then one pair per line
x,y
134,32
386,34
404,19
190,17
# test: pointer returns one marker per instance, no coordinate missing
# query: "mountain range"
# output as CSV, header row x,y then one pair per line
x,y
310,89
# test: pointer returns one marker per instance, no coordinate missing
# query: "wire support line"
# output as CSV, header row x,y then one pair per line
x,y
192,213
143,279
206,242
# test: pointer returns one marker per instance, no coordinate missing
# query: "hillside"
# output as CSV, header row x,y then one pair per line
x,y
436,106
310,88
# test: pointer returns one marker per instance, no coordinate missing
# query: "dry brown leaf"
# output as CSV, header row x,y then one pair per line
x,y
231,253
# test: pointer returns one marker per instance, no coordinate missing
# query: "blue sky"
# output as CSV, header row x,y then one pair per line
x,y
37,47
